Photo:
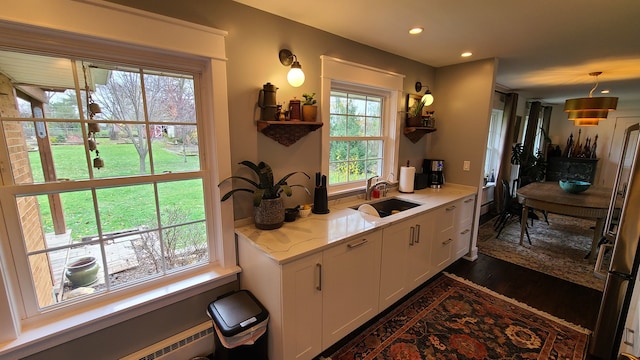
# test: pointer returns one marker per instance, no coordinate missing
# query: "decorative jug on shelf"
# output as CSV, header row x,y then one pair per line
x,y
267,102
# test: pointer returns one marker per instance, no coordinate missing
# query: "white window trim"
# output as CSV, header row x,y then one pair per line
x,y
67,20
346,72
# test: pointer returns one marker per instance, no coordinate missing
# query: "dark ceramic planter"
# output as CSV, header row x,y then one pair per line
x,y
270,214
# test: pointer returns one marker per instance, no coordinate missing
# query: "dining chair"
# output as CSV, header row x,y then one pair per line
x,y
511,209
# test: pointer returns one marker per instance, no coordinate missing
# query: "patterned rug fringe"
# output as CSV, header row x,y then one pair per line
x,y
520,304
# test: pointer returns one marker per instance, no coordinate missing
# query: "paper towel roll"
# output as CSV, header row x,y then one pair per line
x,y
407,177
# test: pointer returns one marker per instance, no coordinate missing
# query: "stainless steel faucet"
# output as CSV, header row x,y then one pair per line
x,y
371,185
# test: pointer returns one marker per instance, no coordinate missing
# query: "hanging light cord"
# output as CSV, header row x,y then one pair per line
x,y
594,87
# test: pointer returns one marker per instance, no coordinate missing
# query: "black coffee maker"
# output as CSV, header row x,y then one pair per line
x,y
435,172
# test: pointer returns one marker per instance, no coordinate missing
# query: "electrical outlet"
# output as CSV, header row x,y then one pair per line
x,y
466,165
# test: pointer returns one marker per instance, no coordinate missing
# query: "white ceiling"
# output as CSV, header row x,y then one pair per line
x,y
546,48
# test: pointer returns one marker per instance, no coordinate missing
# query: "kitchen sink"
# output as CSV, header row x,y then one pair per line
x,y
390,206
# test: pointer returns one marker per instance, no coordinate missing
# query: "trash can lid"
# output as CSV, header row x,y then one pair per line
x,y
237,312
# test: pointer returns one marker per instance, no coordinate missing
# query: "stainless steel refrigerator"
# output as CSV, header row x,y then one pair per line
x,y
622,235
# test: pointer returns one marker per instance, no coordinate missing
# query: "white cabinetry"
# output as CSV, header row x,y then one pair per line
x,y
317,300
406,259
349,284
464,225
444,236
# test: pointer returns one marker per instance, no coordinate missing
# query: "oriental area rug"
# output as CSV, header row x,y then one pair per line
x,y
452,318
558,248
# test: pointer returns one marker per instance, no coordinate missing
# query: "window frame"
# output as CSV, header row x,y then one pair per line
x,y
349,76
68,34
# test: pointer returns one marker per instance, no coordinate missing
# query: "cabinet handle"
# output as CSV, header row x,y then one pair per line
x,y
355,245
417,234
319,284
412,233
465,231
468,200
447,241
450,208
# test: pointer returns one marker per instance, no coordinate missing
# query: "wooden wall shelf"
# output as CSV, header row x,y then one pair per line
x,y
416,133
287,132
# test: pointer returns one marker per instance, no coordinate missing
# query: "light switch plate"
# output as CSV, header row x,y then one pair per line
x,y
628,336
466,165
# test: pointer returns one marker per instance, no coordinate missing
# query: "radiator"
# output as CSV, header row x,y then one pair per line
x,y
193,342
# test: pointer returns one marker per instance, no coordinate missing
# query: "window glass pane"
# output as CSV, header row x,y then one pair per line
x,y
374,106
355,159
356,170
374,167
120,96
357,104
355,126
338,150
338,125
61,105
175,148
139,212
338,102
185,245
338,172
374,149
373,126
74,272
357,150
148,258
181,202
170,98
124,150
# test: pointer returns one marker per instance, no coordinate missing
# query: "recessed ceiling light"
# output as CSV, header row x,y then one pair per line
x,y
605,91
466,54
415,30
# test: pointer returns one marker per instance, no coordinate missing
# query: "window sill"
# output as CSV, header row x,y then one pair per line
x,y
47,331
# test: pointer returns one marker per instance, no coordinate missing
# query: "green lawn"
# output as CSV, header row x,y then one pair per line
x,y
124,207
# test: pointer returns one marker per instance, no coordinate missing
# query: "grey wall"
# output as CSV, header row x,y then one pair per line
x,y
254,39
462,93
464,110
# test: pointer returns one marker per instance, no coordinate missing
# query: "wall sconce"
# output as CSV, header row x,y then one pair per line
x,y
427,98
295,77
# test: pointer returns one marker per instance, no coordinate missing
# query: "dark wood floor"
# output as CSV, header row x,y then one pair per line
x,y
571,302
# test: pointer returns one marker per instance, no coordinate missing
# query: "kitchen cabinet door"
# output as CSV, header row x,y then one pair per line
x,y
464,224
420,269
350,286
397,243
302,308
444,236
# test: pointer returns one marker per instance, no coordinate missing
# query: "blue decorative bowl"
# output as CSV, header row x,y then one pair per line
x,y
574,186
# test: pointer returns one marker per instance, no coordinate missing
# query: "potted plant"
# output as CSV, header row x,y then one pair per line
x,y
414,114
267,203
517,151
309,108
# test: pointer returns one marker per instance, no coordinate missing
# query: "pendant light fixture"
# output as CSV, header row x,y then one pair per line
x,y
590,110
295,77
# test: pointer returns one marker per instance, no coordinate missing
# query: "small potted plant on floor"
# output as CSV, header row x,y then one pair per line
x,y
309,108
268,204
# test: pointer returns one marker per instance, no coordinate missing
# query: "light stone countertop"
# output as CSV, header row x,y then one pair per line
x,y
318,232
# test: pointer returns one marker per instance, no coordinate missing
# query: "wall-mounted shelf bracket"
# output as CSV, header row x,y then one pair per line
x,y
287,132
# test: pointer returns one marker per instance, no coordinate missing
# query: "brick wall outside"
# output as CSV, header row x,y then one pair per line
x,y
28,206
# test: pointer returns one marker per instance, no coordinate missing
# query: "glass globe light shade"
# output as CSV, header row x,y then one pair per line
x,y
295,77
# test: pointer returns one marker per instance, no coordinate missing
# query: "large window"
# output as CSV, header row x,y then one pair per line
x,y
356,143
106,177
361,140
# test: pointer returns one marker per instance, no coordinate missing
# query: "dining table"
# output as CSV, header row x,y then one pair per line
x,y
549,196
